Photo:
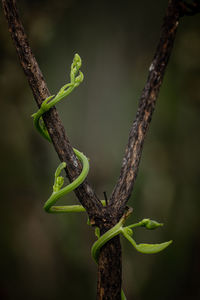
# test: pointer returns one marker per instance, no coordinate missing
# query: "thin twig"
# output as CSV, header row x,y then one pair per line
x,y
131,160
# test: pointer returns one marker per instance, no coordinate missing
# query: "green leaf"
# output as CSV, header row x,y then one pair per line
x,y
97,232
145,248
151,248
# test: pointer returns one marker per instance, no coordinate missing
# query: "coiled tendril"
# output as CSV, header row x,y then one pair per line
x,y
76,77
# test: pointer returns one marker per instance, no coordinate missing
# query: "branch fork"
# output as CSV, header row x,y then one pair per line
x,y
109,261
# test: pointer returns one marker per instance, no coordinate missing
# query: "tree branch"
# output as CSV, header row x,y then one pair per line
x,y
133,152
99,216
109,271
189,9
53,124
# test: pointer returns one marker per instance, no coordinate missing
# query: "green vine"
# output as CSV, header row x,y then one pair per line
x,y
76,77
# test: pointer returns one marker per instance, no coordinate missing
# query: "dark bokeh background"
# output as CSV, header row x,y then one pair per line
x,y
48,256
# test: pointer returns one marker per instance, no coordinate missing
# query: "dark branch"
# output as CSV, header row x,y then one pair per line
x,y
131,160
189,9
99,216
54,126
109,272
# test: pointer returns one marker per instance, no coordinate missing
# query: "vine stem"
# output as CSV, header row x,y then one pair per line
x,y
109,267
57,133
99,216
130,164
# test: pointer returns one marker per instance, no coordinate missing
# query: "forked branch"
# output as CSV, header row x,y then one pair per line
x,y
109,272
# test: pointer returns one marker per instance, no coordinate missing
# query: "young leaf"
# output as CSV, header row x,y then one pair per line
x,y
151,248
145,248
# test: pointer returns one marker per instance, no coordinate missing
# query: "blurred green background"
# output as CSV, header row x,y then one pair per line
x,y
48,256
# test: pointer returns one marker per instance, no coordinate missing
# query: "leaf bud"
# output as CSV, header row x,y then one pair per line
x,y
151,224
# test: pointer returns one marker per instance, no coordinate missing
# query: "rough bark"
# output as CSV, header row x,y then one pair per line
x,y
149,96
99,216
109,267
108,272
61,143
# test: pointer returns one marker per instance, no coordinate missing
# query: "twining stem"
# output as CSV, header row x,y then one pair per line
x,y
60,140
109,272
